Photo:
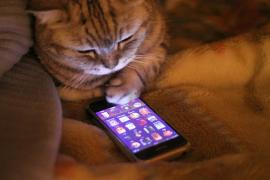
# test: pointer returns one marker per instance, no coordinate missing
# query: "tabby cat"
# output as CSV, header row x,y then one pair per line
x,y
90,47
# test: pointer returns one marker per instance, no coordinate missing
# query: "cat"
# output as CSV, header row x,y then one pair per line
x,y
92,47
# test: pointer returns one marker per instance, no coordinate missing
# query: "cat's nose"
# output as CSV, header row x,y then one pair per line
x,y
110,64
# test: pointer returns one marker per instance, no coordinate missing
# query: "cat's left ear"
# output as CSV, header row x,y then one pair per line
x,y
49,16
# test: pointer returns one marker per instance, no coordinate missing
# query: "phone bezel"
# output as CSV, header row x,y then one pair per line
x,y
144,154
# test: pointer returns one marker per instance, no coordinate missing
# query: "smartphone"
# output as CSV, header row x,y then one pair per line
x,y
138,130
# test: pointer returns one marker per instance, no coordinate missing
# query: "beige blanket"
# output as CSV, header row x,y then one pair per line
x,y
217,95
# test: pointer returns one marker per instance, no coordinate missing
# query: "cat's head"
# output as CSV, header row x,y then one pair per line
x,y
94,36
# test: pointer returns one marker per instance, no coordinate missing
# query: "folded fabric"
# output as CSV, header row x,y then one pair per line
x,y
30,122
30,111
15,33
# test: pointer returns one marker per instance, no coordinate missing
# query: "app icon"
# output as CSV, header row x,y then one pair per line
x,y
125,107
124,119
130,126
113,122
137,104
150,128
105,114
127,137
141,122
145,141
152,118
120,130
135,144
134,115
146,130
159,125
137,133
167,133
114,110
156,136
144,111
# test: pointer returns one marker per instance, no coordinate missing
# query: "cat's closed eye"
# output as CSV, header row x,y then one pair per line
x,y
123,42
90,52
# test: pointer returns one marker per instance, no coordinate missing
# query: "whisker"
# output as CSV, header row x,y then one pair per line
x,y
131,67
140,62
73,82
144,56
80,81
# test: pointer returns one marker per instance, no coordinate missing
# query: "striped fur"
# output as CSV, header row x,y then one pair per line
x,y
87,44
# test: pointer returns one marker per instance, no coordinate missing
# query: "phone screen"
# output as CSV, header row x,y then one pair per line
x,y
136,125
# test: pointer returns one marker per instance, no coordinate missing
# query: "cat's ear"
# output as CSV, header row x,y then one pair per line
x,y
48,16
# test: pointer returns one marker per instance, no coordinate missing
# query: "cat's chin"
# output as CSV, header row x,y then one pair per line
x,y
100,71
105,71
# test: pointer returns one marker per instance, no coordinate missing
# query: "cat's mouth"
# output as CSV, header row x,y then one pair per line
x,y
102,70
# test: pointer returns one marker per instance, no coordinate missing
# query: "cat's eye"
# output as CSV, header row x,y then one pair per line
x,y
127,39
91,53
123,42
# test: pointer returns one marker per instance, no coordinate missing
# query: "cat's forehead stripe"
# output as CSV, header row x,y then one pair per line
x,y
94,22
97,15
100,24
113,17
91,40
102,19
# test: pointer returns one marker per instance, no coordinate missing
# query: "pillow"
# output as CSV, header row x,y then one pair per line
x,y
15,33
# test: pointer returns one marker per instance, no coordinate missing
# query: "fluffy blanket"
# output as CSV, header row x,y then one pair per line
x,y
217,95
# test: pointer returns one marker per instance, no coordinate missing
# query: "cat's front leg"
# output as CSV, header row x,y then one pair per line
x,y
132,80
124,87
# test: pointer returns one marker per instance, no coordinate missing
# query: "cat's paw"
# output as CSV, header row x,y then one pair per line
x,y
124,88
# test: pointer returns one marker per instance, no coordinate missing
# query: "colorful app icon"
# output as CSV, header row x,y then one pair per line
x,y
152,118
145,141
141,122
120,130
144,111
105,114
137,133
146,130
114,111
137,104
135,144
159,125
123,119
167,133
156,136
127,137
113,122
150,128
134,115
125,107
130,126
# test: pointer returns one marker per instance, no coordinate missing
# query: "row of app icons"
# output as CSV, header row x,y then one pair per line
x,y
123,119
130,126
115,110
139,122
147,140
131,105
